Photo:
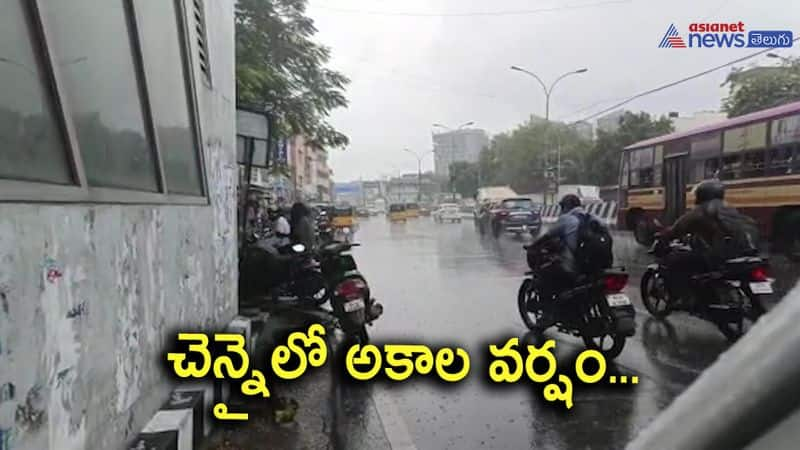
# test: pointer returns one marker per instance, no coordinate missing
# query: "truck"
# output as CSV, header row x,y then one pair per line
x,y
494,193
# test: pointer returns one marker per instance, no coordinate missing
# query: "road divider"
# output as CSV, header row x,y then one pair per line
x,y
606,211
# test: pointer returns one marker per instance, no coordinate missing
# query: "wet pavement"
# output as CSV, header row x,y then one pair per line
x,y
442,284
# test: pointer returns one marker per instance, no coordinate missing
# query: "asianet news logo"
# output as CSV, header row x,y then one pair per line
x,y
725,35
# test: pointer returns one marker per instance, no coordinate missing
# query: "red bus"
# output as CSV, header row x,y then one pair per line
x,y
757,157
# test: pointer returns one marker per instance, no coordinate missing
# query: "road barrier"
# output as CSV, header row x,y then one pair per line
x,y
606,211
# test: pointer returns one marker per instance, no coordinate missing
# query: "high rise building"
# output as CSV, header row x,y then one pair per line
x,y
457,145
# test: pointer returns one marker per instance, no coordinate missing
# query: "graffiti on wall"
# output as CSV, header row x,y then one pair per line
x,y
5,291
30,415
7,392
78,310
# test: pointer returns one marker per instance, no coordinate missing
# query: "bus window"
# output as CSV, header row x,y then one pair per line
x,y
753,164
712,169
704,169
731,167
796,159
646,177
635,178
698,171
780,161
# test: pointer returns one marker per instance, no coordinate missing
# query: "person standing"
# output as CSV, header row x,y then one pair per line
x,y
302,225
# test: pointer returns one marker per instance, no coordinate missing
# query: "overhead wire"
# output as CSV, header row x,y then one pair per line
x,y
677,82
520,12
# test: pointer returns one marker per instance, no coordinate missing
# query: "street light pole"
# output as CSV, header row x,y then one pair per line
x,y
547,94
419,171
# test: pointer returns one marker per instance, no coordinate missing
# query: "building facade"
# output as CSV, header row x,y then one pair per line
x,y
610,122
409,188
118,178
311,176
457,145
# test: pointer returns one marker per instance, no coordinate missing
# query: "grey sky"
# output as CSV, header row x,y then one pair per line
x,y
411,71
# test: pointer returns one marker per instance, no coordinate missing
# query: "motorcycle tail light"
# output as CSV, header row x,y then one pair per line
x,y
351,289
759,274
615,282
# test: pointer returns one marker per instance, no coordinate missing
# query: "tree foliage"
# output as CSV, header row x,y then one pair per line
x,y
762,88
604,157
464,178
524,157
279,66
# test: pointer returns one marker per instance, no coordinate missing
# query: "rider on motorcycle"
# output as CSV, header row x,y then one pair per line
x,y
712,223
564,271
280,227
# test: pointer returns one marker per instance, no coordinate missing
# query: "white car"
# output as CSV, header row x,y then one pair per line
x,y
447,212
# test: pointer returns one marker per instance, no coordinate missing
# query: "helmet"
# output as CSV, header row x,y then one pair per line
x,y
569,202
709,190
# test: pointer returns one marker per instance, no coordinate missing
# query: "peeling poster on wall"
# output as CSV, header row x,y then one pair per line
x,y
52,269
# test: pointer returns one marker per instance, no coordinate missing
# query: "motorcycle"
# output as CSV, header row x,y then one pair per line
x,y
596,309
343,234
726,295
351,301
281,273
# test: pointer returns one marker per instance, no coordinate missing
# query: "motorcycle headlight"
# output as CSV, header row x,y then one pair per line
x,y
345,230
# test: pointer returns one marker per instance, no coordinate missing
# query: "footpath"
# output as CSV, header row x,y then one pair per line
x,y
315,411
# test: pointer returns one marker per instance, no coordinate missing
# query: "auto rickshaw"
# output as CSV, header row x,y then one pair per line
x,y
397,212
343,223
344,217
412,210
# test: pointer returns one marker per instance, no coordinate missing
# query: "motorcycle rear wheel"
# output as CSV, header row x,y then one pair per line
x,y
314,288
655,295
598,343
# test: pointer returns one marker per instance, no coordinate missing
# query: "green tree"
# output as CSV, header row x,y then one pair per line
x,y
762,87
603,161
524,157
464,178
280,67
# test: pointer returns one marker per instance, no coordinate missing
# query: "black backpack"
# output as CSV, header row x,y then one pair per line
x,y
741,229
595,250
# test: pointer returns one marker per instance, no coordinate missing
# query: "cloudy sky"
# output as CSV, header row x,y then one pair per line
x,y
418,62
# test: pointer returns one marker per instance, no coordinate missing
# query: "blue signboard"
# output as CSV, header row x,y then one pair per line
x,y
347,188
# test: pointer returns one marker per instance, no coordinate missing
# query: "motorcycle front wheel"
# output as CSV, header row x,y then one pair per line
x,y
528,299
655,294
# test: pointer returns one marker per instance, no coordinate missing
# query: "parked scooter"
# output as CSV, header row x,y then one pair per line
x,y
726,295
596,309
282,273
351,301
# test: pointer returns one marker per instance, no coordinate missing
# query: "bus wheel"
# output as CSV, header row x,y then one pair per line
x,y
641,230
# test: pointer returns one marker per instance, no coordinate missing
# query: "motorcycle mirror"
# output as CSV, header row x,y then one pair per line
x,y
299,248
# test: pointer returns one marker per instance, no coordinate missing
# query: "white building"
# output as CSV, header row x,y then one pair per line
x,y
610,122
457,145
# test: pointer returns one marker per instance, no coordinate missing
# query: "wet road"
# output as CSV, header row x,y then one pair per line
x,y
441,284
